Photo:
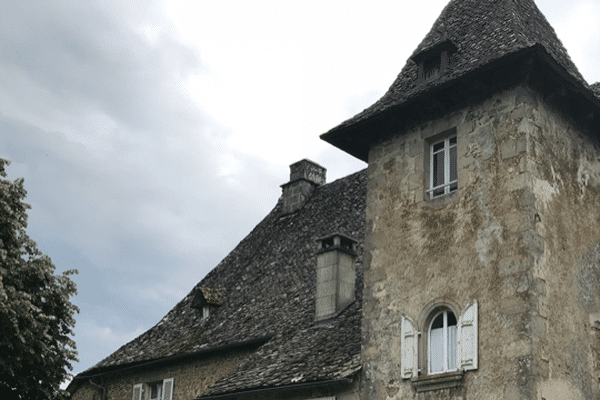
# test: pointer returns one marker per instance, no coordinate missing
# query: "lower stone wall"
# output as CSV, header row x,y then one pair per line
x,y
191,378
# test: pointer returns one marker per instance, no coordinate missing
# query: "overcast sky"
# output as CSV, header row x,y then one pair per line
x,y
154,135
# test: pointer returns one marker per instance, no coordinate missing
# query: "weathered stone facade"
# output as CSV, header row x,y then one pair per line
x,y
495,272
519,237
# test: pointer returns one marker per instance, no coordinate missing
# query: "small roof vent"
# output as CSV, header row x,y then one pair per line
x,y
206,297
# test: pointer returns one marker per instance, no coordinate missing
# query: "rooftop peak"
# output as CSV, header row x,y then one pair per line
x,y
468,35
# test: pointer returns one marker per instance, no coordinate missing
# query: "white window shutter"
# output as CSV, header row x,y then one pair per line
x,y
137,392
409,362
467,334
167,389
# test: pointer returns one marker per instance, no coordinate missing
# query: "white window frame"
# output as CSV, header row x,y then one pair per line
x,y
445,350
447,184
141,391
466,346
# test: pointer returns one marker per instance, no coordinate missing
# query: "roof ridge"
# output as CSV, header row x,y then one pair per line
x,y
516,23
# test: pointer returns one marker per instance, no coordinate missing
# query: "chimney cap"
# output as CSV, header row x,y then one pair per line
x,y
309,171
337,241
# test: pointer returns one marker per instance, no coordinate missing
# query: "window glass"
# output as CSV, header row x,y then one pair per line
x,y
442,343
436,350
438,322
155,390
453,164
438,169
444,166
452,347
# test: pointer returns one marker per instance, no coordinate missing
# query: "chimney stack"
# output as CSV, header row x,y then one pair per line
x,y
336,275
305,176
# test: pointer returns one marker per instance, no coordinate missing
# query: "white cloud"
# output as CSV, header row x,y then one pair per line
x,y
102,340
579,30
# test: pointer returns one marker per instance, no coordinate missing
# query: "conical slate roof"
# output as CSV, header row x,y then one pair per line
x,y
479,32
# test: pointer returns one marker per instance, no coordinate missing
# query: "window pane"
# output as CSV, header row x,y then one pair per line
x,y
451,344
154,391
436,350
453,164
438,146
453,141
438,169
451,319
438,322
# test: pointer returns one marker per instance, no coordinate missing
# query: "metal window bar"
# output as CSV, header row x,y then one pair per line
x,y
444,186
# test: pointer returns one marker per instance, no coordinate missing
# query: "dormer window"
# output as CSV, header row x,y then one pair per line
x,y
434,61
206,300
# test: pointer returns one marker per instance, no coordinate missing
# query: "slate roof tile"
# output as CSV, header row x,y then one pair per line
x,y
267,287
316,353
596,89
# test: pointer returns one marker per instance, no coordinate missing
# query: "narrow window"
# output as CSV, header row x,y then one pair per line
x,y
156,391
443,167
205,312
442,343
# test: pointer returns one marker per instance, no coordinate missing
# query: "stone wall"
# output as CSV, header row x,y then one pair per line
x,y
565,170
191,378
512,238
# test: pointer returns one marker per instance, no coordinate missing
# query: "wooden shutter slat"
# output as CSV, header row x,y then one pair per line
x,y
409,363
468,346
167,389
137,392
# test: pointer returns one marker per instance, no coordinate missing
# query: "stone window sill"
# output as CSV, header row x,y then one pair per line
x,y
438,381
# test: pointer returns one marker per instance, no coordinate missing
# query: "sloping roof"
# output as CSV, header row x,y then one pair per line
x,y
482,31
267,288
596,89
323,352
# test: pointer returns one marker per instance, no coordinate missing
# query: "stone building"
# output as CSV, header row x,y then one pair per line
x,y
464,263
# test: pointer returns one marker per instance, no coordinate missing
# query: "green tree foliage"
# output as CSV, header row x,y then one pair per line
x,y
36,315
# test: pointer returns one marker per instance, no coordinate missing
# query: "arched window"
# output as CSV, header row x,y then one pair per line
x,y
441,348
448,342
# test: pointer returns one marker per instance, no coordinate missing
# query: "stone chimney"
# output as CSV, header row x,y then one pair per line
x,y
305,176
336,275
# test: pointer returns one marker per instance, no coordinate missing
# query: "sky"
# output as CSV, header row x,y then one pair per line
x,y
154,135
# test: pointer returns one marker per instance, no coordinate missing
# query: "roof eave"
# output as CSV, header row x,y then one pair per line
x,y
100,371
356,139
333,383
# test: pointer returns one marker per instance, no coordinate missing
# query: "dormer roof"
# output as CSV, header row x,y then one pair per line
x,y
483,32
207,297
